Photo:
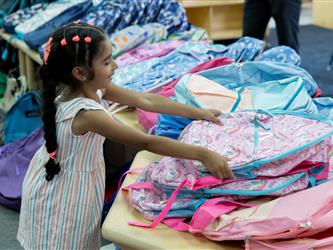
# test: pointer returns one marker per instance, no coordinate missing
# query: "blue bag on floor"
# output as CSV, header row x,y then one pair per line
x,y
23,117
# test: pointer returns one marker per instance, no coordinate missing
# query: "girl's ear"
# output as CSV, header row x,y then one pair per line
x,y
80,73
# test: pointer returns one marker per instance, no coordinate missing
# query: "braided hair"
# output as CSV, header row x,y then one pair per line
x,y
62,58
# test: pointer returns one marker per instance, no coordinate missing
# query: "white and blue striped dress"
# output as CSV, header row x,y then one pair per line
x,y
65,213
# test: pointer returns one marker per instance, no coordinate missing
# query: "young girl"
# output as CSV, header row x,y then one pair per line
x,y
63,190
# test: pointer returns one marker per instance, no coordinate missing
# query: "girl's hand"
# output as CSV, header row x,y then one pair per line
x,y
217,165
210,115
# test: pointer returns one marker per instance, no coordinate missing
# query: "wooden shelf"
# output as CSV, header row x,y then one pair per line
x,y
223,19
208,3
322,13
28,59
227,34
21,45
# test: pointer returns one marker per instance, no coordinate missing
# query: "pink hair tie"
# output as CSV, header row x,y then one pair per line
x,y
52,155
90,23
47,49
76,39
63,42
87,39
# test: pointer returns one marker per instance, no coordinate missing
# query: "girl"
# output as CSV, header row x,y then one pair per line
x,y
63,190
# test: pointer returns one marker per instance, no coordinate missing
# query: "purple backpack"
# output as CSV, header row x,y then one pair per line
x,y
15,158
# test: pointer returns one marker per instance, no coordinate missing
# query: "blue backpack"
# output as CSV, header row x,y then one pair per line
x,y
23,117
171,125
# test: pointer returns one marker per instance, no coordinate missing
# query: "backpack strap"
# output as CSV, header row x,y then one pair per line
x,y
177,223
131,171
208,211
164,212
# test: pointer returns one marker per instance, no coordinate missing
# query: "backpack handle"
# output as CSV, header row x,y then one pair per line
x,y
33,113
36,101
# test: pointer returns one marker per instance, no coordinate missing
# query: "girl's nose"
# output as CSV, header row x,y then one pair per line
x,y
115,65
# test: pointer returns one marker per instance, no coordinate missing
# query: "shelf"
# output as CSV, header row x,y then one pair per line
x,y
208,3
322,13
21,45
27,57
227,34
223,19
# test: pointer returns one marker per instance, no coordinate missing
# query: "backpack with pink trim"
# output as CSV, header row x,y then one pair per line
x,y
283,152
319,241
271,225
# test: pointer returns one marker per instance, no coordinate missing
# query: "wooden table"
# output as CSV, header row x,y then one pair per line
x,y
115,227
130,118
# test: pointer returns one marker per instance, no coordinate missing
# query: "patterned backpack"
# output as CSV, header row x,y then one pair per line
x,y
272,154
271,225
268,225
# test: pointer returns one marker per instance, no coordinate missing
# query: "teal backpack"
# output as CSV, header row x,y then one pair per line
x,y
23,117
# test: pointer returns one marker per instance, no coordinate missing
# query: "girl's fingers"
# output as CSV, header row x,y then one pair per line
x,y
217,121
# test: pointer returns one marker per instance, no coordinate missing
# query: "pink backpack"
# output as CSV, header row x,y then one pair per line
x,y
278,224
283,152
321,241
300,215
145,52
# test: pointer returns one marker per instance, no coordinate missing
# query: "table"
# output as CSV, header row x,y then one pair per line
x,y
130,118
115,227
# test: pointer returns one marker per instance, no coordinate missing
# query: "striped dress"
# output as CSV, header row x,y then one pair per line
x,y
65,213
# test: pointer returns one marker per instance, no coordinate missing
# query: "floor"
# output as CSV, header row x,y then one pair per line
x,y
8,228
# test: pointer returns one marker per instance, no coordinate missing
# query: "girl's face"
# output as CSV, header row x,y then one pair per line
x,y
104,66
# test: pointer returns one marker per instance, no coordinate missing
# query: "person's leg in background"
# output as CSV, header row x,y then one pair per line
x,y
286,14
256,17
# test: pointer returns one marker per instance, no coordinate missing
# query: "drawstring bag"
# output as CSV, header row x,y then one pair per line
x,y
15,158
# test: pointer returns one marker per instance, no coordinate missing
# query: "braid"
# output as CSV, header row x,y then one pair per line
x,y
49,112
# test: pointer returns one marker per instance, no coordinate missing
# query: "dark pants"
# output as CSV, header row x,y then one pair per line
x,y
286,15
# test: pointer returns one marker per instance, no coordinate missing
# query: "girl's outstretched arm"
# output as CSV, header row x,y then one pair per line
x,y
156,103
100,122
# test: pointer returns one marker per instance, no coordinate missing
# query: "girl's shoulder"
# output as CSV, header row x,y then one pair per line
x,y
68,109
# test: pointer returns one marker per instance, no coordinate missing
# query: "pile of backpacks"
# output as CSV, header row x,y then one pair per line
x,y
279,142
20,136
277,131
